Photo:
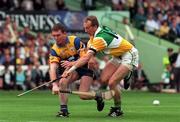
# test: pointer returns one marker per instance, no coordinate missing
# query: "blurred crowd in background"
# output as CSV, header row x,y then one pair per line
x,y
157,17
30,51
30,5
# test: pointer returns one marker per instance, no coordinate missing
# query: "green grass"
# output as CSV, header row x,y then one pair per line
x,y
41,106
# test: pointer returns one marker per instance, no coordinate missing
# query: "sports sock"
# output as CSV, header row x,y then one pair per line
x,y
117,104
64,108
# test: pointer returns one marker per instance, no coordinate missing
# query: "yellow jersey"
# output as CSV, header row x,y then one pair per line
x,y
73,49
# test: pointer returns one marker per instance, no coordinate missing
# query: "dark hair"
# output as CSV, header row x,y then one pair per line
x,y
170,49
58,27
93,19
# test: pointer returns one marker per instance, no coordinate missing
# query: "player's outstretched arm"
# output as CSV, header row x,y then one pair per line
x,y
80,62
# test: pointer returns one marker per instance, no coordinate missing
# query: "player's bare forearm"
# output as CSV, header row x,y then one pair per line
x,y
83,60
52,71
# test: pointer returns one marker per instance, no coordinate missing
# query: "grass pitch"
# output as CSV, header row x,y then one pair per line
x,y
41,106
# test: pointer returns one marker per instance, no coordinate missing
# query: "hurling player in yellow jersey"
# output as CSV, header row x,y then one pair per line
x,y
125,58
64,53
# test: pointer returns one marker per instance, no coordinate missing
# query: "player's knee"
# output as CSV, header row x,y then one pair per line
x,y
63,84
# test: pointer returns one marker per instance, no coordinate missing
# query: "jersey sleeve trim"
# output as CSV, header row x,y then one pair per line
x,y
93,50
53,53
77,43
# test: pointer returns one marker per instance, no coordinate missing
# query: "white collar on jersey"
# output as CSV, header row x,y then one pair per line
x,y
97,31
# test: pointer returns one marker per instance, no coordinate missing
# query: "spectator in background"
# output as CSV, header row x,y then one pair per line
x,y
27,5
1,39
125,21
139,19
8,79
47,77
50,5
15,27
151,25
177,5
9,5
7,60
31,50
30,59
5,4
159,19
88,4
176,70
29,45
20,58
150,10
162,11
34,75
40,43
37,75
20,48
1,81
171,5
20,78
118,4
1,57
167,75
6,36
164,30
38,5
43,58
168,17
30,83
166,60
15,5
131,4
61,5
174,31
24,35
139,3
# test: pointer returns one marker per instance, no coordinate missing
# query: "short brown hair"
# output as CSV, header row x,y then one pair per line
x,y
93,20
58,27
170,49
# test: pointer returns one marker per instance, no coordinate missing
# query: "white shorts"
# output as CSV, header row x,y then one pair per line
x,y
129,59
